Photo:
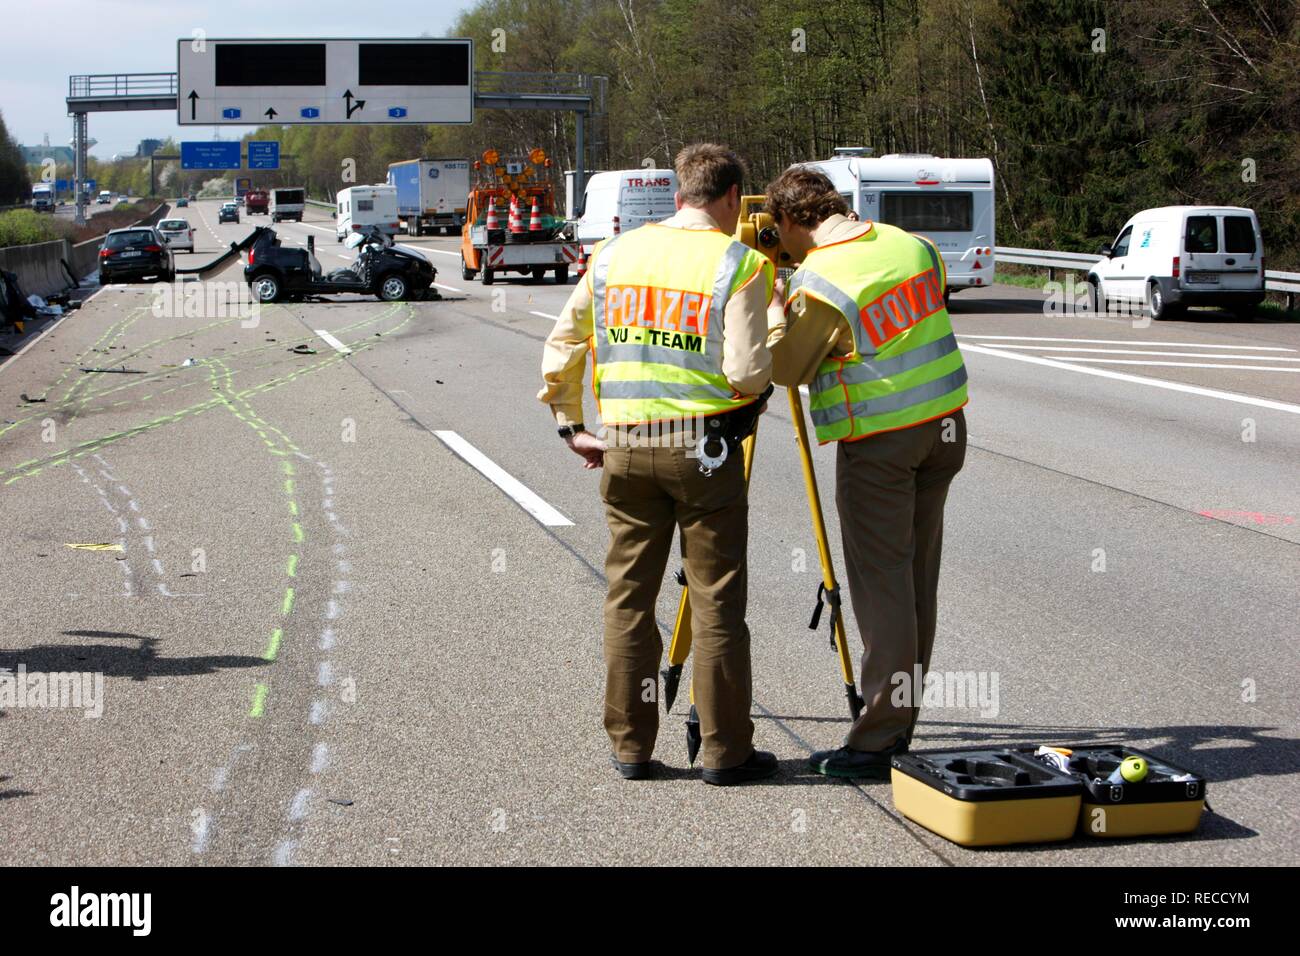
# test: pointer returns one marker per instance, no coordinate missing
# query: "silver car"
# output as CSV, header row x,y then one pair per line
x,y
178,234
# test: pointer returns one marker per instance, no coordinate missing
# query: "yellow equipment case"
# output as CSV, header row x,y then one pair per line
x,y
1168,800
986,797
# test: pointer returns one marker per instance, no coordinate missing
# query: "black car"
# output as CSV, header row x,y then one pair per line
x,y
228,213
135,253
391,272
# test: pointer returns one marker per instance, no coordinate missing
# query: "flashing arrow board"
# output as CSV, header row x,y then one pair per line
x,y
379,81
264,154
218,155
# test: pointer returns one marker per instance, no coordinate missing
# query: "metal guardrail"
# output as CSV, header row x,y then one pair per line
x,y
122,84
1287,283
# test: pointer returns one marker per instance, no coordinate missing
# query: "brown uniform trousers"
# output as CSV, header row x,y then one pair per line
x,y
890,491
648,492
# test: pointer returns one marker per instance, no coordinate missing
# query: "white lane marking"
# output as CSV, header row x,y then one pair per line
x,y
1139,379
202,831
284,853
522,495
449,288
1251,368
319,758
333,342
1229,355
342,256
1181,345
441,252
545,315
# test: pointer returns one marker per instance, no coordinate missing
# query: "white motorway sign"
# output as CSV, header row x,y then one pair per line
x,y
253,82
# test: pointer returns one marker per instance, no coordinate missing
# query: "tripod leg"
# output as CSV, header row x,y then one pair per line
x,y
829,585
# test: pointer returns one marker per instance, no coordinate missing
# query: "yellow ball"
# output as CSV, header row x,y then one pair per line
x,y
1133,769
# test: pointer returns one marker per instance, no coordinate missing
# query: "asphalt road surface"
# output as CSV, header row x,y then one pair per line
x,y
350,605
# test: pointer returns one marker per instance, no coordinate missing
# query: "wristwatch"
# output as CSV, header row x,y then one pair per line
x,y
568,431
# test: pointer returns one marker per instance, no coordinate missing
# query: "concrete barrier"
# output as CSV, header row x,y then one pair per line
x,y
38,266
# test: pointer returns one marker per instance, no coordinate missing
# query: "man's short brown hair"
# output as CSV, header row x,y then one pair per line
x,y
805,196
706,172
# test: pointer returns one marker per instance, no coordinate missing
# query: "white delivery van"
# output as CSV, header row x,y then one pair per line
x,y
288,204
361,206
1175,256
949,201
105,196
624,199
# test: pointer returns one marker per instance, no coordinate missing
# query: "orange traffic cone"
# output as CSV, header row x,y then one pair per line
x,y
616,226
516,222
493,223
535,218
582,262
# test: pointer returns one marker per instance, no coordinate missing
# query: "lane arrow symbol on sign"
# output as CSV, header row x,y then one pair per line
x,y
270,112
193,98
347,97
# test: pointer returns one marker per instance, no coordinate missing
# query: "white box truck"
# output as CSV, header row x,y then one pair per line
x,y
431,194
288,204
623,199
361,206
949,201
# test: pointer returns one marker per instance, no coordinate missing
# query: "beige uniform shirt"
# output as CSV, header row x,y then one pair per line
x,y
801,338
746,361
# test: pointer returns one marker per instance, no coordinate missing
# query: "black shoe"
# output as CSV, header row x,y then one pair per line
x,y
631,771
759,766
856,764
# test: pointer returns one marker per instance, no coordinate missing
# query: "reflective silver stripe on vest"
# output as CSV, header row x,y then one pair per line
x,y
599,281
872,370
894,402
652,390
837,297
934,258
726,275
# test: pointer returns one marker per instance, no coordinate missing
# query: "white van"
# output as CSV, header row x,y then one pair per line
x,y
360,206
105,196
626,197
949,201
1175,256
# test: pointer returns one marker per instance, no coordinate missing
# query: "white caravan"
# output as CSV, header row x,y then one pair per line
x,y
361,206
949,201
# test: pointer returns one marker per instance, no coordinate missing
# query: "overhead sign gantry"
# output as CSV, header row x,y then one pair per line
x,y
312,81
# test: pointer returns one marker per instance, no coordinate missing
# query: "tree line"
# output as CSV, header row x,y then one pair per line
x,y
1089,109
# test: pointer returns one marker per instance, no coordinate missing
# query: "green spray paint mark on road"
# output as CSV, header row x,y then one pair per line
x,y
259,701
287,607
273,648
293,508
292,569
297,533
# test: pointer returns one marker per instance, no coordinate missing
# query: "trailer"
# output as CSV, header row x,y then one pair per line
x,y
949,201
430,194
532,248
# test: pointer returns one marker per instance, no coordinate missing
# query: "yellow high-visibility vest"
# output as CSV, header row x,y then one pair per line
x,y
659,295
905,367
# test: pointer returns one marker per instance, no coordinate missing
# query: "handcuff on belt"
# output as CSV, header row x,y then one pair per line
x,y
723,431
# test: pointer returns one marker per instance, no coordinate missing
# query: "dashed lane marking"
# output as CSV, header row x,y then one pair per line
x,y
523,496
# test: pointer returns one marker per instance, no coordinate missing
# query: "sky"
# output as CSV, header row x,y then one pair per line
x,y
139,36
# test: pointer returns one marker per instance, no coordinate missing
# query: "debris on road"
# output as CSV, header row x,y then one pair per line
x,y
119,371
94,547
303,350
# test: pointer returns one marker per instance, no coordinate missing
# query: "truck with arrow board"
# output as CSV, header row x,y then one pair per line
x,y
512,224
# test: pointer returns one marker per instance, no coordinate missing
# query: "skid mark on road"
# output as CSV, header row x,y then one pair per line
x,y
35,466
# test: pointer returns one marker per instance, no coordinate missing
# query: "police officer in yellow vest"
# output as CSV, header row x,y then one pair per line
x,y
675,314
865,326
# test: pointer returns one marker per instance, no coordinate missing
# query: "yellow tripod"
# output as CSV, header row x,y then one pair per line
x,y
828,592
